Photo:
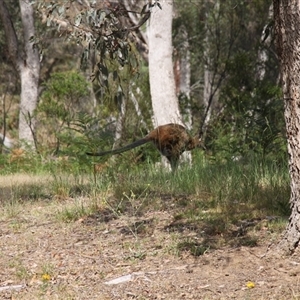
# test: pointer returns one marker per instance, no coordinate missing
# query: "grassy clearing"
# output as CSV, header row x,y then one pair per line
x,y
218,201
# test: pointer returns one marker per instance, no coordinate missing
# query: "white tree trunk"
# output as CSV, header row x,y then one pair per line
x,y
120,121
207,94
185,77
162,82
26,61
29,69
266,40
137,106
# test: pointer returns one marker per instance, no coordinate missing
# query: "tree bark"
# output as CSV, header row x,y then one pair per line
x,y
185,78
120,121
266,40
26,62
29,70
161,73
287,29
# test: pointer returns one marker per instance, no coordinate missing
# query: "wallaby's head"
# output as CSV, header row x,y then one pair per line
x,y
195,142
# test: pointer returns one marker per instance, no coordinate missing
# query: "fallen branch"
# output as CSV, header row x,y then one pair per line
x,y
12,287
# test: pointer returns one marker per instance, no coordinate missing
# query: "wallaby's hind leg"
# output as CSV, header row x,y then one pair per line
x,y
173,162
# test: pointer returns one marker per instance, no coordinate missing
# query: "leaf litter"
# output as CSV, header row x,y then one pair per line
x,y
42,257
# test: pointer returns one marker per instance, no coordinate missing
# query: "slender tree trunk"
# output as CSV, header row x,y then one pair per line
x,y
207,95
209,75
120,121
266,40
26,62
185,78
287,29
137,106
29,70
162,82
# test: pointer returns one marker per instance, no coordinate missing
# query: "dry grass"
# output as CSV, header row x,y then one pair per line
x,y
16,180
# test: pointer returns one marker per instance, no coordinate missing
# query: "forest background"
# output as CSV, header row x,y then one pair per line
x,y
228,52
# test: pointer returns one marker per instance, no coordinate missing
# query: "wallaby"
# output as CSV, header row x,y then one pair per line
x,y
170,139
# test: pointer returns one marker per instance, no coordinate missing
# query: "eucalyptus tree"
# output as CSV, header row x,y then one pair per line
x,y
162,81
25,57
287,34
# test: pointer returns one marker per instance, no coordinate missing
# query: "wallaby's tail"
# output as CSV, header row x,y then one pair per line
x,y
122,149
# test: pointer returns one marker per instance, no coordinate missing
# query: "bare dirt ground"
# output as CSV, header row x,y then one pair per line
x,y
104,257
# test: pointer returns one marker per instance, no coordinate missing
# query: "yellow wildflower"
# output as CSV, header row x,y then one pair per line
x,y
250,285
46,277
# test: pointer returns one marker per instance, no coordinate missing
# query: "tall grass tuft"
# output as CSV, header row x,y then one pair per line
x,y
252,183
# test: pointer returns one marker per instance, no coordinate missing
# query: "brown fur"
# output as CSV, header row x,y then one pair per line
x,y
171,140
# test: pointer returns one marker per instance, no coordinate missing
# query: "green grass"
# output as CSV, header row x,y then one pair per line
x,y
215,198
227,185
